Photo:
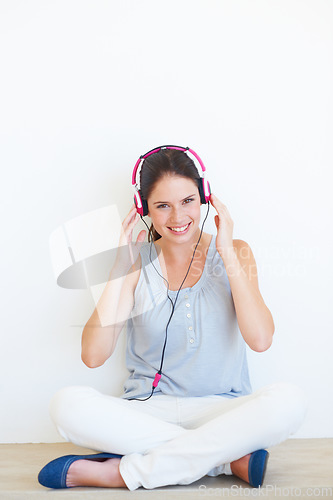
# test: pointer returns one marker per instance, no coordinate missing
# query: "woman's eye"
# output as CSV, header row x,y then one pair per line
x,y
165,205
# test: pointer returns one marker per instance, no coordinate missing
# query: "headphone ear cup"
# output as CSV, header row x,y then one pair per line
x,y
140,203
209,190
144,207
201,192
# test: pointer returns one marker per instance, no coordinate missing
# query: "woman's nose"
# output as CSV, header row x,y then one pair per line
x,y
176,214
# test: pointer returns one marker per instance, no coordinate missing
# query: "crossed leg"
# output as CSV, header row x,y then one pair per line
x,y
157,452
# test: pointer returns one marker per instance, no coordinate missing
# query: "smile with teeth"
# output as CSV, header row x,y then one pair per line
x,y
180,229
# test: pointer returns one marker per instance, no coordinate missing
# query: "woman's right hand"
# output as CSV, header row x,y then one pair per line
x,y
128,252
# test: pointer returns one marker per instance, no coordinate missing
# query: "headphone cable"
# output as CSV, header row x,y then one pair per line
x,y
159,373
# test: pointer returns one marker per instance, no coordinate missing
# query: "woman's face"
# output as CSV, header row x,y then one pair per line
x,y
174,208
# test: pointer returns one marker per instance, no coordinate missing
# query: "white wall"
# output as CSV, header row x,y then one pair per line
x,y
88,86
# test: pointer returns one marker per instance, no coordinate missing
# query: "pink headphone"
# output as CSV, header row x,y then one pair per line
x,y
203,185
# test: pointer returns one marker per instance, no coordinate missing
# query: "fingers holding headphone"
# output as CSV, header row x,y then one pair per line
x,y
142,234
128,225
128,252
224,225
130,218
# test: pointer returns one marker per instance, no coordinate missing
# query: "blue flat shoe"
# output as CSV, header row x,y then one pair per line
x,y
53,475
257,467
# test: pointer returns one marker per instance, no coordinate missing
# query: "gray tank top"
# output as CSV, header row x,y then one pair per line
x,y
205,352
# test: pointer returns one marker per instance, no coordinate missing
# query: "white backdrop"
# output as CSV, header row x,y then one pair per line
x,y
88,86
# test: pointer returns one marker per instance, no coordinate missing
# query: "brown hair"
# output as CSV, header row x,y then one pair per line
x,y
159,164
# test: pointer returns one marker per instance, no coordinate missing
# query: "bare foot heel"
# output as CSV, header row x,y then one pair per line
x,y
104,474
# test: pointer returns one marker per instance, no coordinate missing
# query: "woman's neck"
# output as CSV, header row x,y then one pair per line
x,y
181,252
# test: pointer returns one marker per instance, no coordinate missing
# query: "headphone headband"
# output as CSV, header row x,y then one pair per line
x,y
155,150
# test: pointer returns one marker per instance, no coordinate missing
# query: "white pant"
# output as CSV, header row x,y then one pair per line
x,y
173,440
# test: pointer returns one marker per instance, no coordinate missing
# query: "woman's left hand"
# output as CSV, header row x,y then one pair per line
x,y
224,225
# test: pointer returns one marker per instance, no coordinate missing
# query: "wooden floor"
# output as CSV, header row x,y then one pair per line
x,y
298,468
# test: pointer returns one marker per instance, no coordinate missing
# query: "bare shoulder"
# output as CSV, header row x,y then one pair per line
x,y
246,258
242,248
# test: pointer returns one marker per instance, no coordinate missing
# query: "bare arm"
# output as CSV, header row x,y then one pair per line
x,y
254,318
100,334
